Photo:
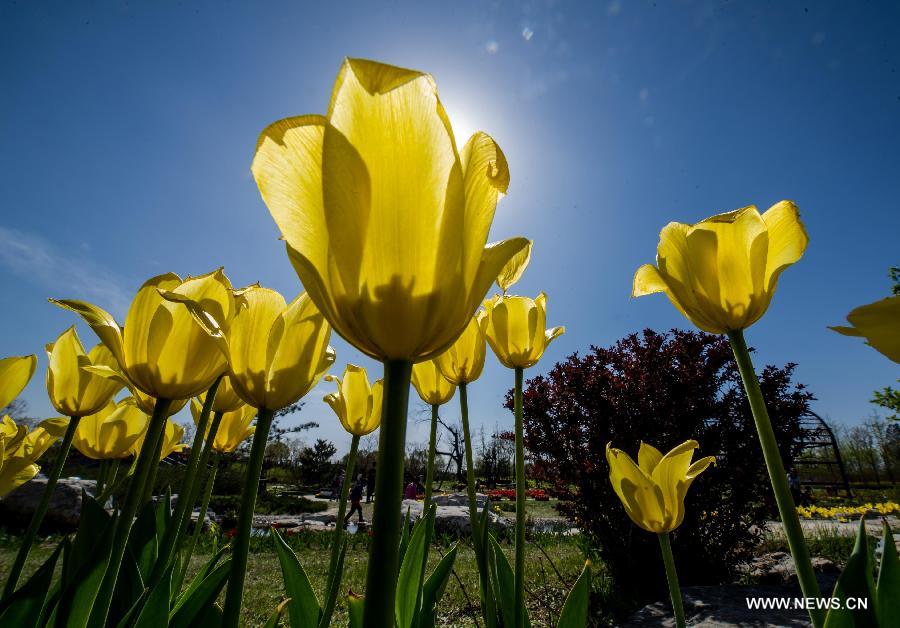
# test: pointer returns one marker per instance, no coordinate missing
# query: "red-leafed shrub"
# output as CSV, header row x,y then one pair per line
x,y
665,389
537,494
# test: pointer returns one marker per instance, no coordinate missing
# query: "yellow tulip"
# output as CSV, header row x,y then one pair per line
x,y
463,361
15,373
432,386
112,431
515,328
721,273
226,399
20,449
276,351
385,221
162,350
171,440
879,324
653,490
234,426
512,271
75,391
356,403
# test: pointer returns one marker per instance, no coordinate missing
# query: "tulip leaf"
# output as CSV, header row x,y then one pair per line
x,y
193,606
887,591
355,605
198,579
163,513
92,523
275,618
24,607
303,608
410,574
155,612
505,585
143,540
574,613
76,599
434,587
129,588
404,537
854,582
335,586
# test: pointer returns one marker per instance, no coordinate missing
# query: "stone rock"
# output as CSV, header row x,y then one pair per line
x,y
64,509
458,499
778,568
453,520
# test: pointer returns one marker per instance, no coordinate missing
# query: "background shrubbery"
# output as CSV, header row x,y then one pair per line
x,y
668,388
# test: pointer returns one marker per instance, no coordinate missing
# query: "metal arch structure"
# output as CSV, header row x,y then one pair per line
x,y
818,439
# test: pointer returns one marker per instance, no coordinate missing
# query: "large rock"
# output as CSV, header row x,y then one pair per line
x,y
64,509
458,499
778,568
452,520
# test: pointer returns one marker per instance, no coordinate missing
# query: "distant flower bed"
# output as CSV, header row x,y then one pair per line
x,y
844,513
537,494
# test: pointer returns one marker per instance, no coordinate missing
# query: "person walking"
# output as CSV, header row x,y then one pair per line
x,y
356,493
370,483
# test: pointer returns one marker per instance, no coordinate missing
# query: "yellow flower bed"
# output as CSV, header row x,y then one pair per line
x,y
843,512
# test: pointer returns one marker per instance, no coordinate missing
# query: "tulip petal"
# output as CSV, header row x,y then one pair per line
x,y
494,257
641,498
648,457
553,333
787,239
878,323
147,326
203,318
102,322
15,373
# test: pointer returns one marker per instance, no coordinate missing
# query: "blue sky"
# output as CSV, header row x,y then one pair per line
x,y
127,130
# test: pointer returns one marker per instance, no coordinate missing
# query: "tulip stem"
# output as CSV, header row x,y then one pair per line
x,y
672,578
334,578
198,527
487,604
41,510
146,460
384,559
520,504
187,494
429,470
786,509
112,487
241,546
101,478
150,482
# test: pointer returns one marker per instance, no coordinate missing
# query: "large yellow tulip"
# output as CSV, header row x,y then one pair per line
x,y
73,390
721,273
385,222
879,324
356,403
161,349
234,426
432,386
653,490
112,431
463,361
15,373
171,440
515,328
20,449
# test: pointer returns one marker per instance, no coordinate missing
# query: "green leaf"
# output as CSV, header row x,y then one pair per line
x,y
410,575
887,591
76,599
304,606
163,513
504,583
143,540
155,612
355,605
199,578
404,537
575,611
335,582
129,589
24,607
275,618
92,523
855,581
434,588
194,605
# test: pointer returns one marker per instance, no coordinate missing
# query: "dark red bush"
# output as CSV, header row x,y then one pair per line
x,y
665,389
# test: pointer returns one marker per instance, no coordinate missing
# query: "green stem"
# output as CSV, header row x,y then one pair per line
x,y
147,460
384,550
520,505
334,578
241,546
429,470
101,478
198,528
187,494
672,578
481,553
112,487
150,482
789,519
41,510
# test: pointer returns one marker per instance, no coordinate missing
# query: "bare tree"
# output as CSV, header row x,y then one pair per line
x,y
456,450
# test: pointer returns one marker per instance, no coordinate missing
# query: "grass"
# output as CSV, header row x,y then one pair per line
x,y
549,574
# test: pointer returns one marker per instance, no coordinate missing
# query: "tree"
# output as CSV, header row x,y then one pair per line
x,y
315,461
665,389
456,449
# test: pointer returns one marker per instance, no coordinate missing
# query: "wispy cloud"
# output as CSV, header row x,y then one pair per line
x,y
70,275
